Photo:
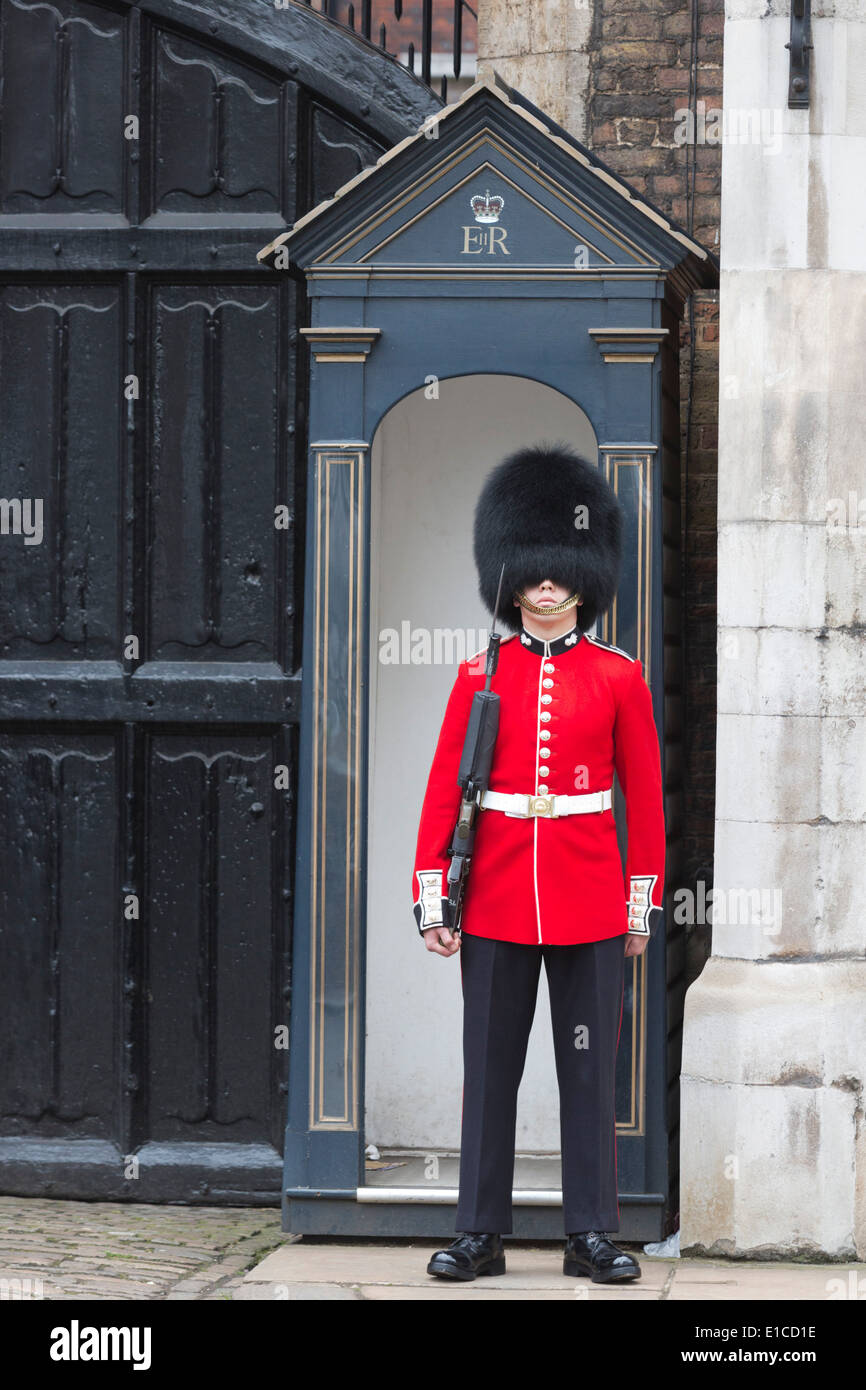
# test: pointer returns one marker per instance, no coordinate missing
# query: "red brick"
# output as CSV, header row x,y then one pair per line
x,y
650,105
641,81
709,85
677,25
671,131
668,183
603,134
639,6
606,79
705,386
631,131
673,79
705,412
701,514
708,156
628,161
708,236
708,207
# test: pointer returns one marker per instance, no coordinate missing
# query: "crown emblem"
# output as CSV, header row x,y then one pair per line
x,y
486,207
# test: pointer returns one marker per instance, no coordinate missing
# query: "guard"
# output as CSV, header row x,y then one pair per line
x,y
546,878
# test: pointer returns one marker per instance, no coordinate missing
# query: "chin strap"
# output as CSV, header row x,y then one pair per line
x,y
546,608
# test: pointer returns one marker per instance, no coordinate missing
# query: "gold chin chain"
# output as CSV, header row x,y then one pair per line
x,y
546,608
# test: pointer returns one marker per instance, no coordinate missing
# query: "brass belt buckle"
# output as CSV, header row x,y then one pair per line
x,y
541,806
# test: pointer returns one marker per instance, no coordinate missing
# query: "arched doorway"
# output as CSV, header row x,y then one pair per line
x,y
429,456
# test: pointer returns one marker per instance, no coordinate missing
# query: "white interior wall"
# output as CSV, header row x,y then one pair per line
x,y
428,461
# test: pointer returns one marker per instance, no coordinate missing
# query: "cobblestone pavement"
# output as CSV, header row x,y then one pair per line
x,y
62,1250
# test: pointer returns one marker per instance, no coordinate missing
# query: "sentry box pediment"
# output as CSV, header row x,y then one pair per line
x,y
491,187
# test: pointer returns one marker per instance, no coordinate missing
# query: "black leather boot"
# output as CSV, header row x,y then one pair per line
x,y
471,1254
590,1252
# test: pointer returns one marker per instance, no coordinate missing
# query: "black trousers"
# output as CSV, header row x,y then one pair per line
x,y
500,983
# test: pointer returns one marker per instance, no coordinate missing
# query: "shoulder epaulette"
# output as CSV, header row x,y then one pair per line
x,y
608,646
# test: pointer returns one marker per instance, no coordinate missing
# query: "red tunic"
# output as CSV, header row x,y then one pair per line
x,y
578,708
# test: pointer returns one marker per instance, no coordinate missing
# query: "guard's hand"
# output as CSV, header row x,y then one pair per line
x,y
635,945
442,941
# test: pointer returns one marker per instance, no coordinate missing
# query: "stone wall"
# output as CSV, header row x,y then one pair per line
x,y
774,1035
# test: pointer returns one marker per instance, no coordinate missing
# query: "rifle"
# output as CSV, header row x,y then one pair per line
x,y
473,776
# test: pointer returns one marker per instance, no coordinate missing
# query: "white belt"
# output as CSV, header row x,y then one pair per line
x,y
525,805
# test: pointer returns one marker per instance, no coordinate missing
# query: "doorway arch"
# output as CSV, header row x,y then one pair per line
x,y
428,459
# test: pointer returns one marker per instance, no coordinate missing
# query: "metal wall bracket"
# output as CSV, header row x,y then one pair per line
x,y
799,49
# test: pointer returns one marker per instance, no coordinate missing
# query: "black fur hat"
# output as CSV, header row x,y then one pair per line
x,y
526,516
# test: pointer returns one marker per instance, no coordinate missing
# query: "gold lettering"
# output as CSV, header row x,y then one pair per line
x,y
498,233
476,234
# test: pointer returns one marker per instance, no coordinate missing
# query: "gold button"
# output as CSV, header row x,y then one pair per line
x,y
549,666
546,699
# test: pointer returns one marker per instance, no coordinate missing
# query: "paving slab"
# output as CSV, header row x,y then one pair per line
x,y
406,1265
290,1293
379,1271
69,1251
748,1279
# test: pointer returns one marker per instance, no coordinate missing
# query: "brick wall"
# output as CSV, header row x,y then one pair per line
x,y
640,59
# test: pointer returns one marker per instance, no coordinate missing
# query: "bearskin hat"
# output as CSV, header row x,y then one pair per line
x,y
527,516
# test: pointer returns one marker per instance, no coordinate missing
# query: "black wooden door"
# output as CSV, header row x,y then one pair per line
x,y
151,397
